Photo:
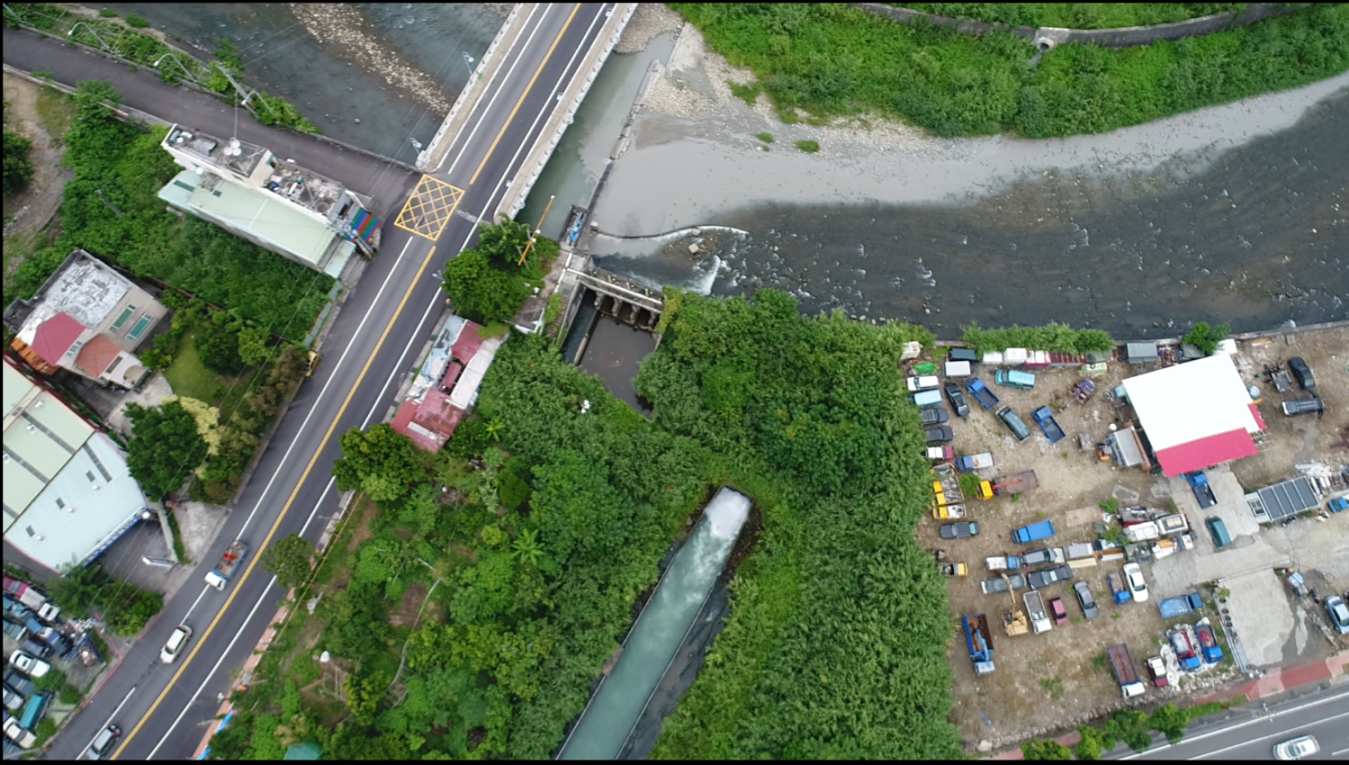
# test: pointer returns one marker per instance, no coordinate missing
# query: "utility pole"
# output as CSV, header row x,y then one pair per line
x,y
537,230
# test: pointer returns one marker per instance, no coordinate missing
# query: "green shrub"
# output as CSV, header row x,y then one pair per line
x,y
132,20
70,695
765,137
809,147
18,169
107,13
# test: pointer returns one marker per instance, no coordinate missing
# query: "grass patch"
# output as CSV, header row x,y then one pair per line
x,y
765,137
190,378
809,147
747,93
1098,661
495,329
835,60
1054,686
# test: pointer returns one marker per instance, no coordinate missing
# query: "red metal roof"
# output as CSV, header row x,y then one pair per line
x,y
55,335
97,354
1197,455
1255,412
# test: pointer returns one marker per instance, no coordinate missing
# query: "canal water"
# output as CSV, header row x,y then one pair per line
x,y
395,67
609,718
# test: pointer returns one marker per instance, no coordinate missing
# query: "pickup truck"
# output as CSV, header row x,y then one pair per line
x,y
1001,584
1180,605
1208,643
1033,532
1003,563
948,512
1043,557
1125,672
941,453
1184,642
923,382
1007,485
1119,592
1338,504
229,562
25,593
1045,419
1039,579
974,462
979,640
1202,490
1142,532
981,393
1035,609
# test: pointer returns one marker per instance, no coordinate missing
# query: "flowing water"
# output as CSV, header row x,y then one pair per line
x,y
1256,234
618,703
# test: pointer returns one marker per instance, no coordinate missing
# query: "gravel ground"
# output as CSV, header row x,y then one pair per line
x,y
649,20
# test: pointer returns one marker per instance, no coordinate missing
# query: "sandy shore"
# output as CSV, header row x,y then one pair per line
x,y
700,142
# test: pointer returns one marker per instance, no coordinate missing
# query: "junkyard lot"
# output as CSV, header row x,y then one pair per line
x,y
1019,699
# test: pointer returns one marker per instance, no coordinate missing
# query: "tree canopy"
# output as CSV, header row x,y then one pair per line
x,y
165,447
289,559
381,463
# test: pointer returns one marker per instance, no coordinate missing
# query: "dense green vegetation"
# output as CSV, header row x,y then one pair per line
x,y
524,545
1060,338
488,283
1206,338
111,209
122,39
831,59
1074,15
164,449
18,170
83,593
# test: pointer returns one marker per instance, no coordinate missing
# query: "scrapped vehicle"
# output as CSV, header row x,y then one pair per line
x,y
959,530
939,435
29,665
1058,611
1013,423
1086,600
1039,579
1302,373
1157,668
1133,578
1312,405
934,416
957,399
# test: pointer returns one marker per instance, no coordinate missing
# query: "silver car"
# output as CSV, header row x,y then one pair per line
x,y
1297,748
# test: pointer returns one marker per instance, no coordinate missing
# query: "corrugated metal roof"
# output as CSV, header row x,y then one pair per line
x,y
1191,402
1204,452
1288,498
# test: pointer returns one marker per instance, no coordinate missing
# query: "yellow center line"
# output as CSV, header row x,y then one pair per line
x,y
257,552
522,95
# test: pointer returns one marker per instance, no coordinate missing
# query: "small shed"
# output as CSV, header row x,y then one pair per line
x,y
1283,499
1141,353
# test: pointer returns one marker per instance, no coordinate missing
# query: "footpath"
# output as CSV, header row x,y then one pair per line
x,y
1297,677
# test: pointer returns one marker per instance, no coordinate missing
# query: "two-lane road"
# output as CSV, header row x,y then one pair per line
x,y
1254,732
372,344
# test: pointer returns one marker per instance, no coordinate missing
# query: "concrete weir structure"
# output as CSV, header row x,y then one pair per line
x,y
618,703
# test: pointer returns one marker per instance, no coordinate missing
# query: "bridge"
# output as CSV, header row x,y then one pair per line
x,y
481,164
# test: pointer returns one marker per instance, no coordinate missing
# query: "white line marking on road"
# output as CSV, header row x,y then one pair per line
x,y
1337,754
1264,718
108,722
1281,733
210,674
500,88
193,607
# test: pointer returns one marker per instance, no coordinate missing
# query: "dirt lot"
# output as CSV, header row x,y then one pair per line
x,y
42,116
1052,677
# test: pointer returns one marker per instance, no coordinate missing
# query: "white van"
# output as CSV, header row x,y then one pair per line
x,y
923,382
177,640
957,369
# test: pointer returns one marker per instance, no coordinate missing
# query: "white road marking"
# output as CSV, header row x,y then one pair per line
x,y
204,590
1265,718
1280,734
108,722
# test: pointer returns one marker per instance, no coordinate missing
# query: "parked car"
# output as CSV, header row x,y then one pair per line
x,y
1038,579
935,416
103,743
957,398
1297,748
12,700
1133,578
1086,600
1157,668
1042,556
15,630
1059,611
940,435
29,665
1312,405
19,682
1013,423
959,530
1302,373
1339,613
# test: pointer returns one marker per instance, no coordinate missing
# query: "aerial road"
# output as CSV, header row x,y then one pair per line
x,y
164,709
1253,736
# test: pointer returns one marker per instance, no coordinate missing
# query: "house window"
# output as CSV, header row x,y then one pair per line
x,y
60,503
136,331
89,474
126,314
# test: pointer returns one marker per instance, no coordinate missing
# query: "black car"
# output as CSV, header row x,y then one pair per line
x,y
934,416
940,435
957,398
1302,373
959,530
1038,579
1311,405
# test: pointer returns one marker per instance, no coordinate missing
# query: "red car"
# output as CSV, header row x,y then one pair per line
x,y
1057,608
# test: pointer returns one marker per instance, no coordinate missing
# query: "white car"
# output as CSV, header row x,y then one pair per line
x,y
1297,748
29,665
174,646
1133,578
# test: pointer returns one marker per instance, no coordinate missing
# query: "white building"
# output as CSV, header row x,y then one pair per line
x,y
68,492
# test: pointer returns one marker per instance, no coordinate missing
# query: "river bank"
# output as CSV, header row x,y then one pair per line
x,y
1234,212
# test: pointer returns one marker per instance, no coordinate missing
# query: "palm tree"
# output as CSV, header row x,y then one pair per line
x,y
527,548
494,429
